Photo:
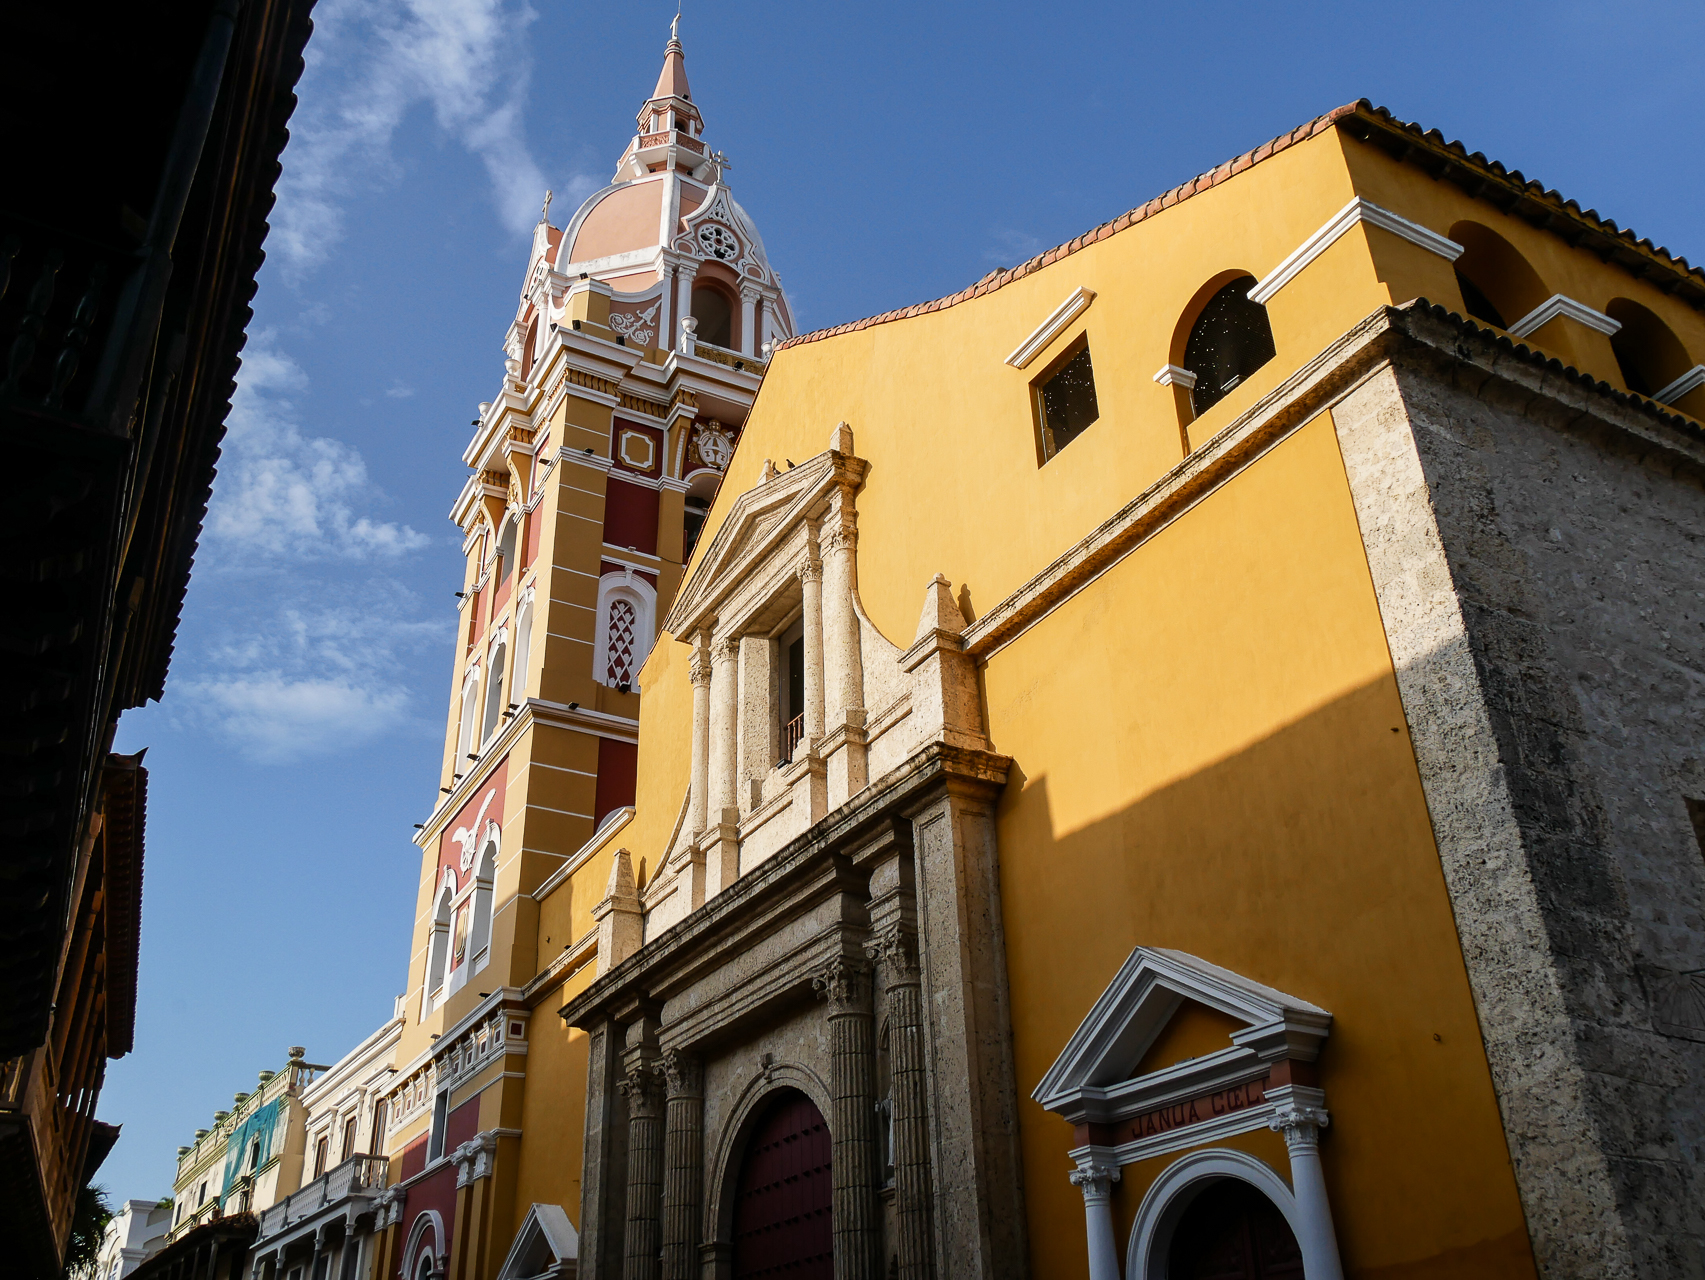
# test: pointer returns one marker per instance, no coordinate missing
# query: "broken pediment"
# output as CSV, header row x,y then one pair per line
x,y
1173,1025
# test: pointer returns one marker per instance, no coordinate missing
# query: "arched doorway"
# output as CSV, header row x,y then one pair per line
x,y
1233,1232
783,1201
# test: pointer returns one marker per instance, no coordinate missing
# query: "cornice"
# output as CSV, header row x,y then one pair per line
x,y
1418,325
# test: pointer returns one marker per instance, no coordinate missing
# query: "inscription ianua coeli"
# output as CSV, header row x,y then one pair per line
x,y
1195,1110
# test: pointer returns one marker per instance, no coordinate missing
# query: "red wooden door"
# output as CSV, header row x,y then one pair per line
x,y
1233,1232
782,1208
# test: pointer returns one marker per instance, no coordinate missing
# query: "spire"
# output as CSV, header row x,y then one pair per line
x,y
672,80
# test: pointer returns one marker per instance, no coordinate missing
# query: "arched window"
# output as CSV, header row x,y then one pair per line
x,y
624,629
1648,353
438,950
523,646
715,315
479,935
506,550
493,693
470,718
700,490
1498,286
1230,340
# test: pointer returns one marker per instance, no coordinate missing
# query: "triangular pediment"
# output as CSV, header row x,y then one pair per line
x,y
760,520
547,1245
1152,992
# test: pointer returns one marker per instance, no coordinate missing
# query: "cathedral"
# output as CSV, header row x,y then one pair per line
x,y
1179,760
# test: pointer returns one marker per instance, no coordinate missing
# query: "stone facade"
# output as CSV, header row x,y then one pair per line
x,y
1535,550
868,950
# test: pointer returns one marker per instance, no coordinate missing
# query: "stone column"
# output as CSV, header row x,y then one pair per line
x,y
1095,1179
843,661
845,983
895,951
722,848
1301,1126
699,672
977,1189
683,1165
604,1158
643,1088
811,586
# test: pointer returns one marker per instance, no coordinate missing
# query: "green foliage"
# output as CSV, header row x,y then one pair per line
x,y
88,1224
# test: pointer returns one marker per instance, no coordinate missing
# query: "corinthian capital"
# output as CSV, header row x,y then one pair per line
x,y
698,669
845,983
811,571
642,1087
1095,1178
685,1074
895,950
1300,1125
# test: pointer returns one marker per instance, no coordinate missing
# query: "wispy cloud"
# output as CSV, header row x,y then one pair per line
x,y
310,680
369,62
282,493
1008,247
398,391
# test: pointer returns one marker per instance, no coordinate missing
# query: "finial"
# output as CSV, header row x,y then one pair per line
x,y
675,25
545,210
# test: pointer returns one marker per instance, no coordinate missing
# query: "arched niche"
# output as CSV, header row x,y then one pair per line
x,y
1648,354
1498,285
715,308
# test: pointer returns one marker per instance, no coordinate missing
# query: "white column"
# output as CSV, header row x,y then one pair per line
x,y
811,585
684,295
841,648
749,296
1095,1178
724,724
1301,1126
699,673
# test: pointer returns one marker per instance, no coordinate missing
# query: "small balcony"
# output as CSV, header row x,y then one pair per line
x,y
345,1191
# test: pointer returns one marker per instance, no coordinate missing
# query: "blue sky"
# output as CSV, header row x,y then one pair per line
x,y
889,153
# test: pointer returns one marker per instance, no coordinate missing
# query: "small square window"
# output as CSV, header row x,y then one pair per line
x,y
1065,402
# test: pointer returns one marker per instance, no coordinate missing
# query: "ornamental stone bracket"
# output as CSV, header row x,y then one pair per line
x,y
474,1158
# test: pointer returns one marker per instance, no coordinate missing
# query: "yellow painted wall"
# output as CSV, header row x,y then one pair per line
x,y
1234,779
1209,749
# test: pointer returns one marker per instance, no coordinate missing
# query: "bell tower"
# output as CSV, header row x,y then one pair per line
x,y
641,333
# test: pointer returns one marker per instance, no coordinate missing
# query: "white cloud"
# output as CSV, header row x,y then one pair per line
x,y
369,62
310,681
398,391
281,493
1010,246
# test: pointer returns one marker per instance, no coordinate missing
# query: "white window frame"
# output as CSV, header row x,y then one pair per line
x,y
491,705
625,584
438,948
523,646
465,731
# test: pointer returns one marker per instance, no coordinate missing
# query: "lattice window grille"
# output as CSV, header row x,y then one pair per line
x,y
624,621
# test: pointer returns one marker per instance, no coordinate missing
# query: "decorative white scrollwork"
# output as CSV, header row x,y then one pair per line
x,y
638,326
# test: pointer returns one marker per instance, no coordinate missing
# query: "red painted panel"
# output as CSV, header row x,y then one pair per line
x,y
618,769
784,1203
414,1158
487,801
630,516
463,1123
435,1191
530,539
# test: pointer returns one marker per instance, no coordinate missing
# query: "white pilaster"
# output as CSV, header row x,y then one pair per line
x,y
749,340
1301,1124
700,674
1095,1177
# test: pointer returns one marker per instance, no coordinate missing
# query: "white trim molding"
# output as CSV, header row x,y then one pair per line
x,y
1172,375
1179,1184
1694,377
1262,1079
1049,329
1358,210
1559,305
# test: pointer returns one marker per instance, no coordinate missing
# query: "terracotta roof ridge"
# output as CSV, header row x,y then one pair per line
x,y
1371,117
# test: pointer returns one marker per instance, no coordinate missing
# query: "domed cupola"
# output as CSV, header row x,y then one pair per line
x,y
670,241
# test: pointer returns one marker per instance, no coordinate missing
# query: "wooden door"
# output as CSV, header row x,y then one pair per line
x,y
783,1204
1233,1232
